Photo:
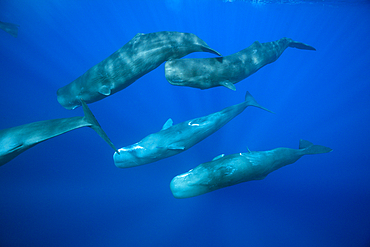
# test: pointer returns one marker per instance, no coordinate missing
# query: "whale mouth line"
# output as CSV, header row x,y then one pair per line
x,y
176,80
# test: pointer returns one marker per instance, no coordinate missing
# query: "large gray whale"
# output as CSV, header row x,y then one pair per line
x,y
174,139
225,71
10,28
232,169
15,140
140,55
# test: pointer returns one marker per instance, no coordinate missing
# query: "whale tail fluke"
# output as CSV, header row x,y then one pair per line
x,y
309,148
90,118
250,101
300,45
210,50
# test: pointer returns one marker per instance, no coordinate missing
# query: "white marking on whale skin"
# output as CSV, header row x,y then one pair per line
x,y
191,124
131,148
185,174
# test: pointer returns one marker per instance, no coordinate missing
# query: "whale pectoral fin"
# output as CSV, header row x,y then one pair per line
x,y
218,157
104,90
167,124
175,146
228,85
300,45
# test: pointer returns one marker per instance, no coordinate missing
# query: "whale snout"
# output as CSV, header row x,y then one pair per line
x,y
124,159
188,185
67,99
179,188
172,74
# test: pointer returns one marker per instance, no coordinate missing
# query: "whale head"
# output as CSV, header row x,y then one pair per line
x,y
189,184
90,87
67,96
186,72
130,156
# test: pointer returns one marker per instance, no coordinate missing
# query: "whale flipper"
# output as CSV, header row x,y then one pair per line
x,y
309,148
175,146
228,85
90,118
300,45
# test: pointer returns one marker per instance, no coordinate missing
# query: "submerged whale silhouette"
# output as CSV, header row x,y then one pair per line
x,y
10,28
232,169
172,140
140,55
204,73
15,140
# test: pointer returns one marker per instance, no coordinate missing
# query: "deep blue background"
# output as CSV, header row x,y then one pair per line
x,y
67,191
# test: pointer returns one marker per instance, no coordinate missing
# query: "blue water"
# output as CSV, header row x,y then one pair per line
x,y
67,190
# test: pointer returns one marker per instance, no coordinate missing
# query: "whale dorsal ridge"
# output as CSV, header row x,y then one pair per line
x,y
167,124
218,157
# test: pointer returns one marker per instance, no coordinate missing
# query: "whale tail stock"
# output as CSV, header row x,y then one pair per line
x,y
90,118
309,148
300,45
250,101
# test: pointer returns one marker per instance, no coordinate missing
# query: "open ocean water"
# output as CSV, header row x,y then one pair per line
x,y
67,191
